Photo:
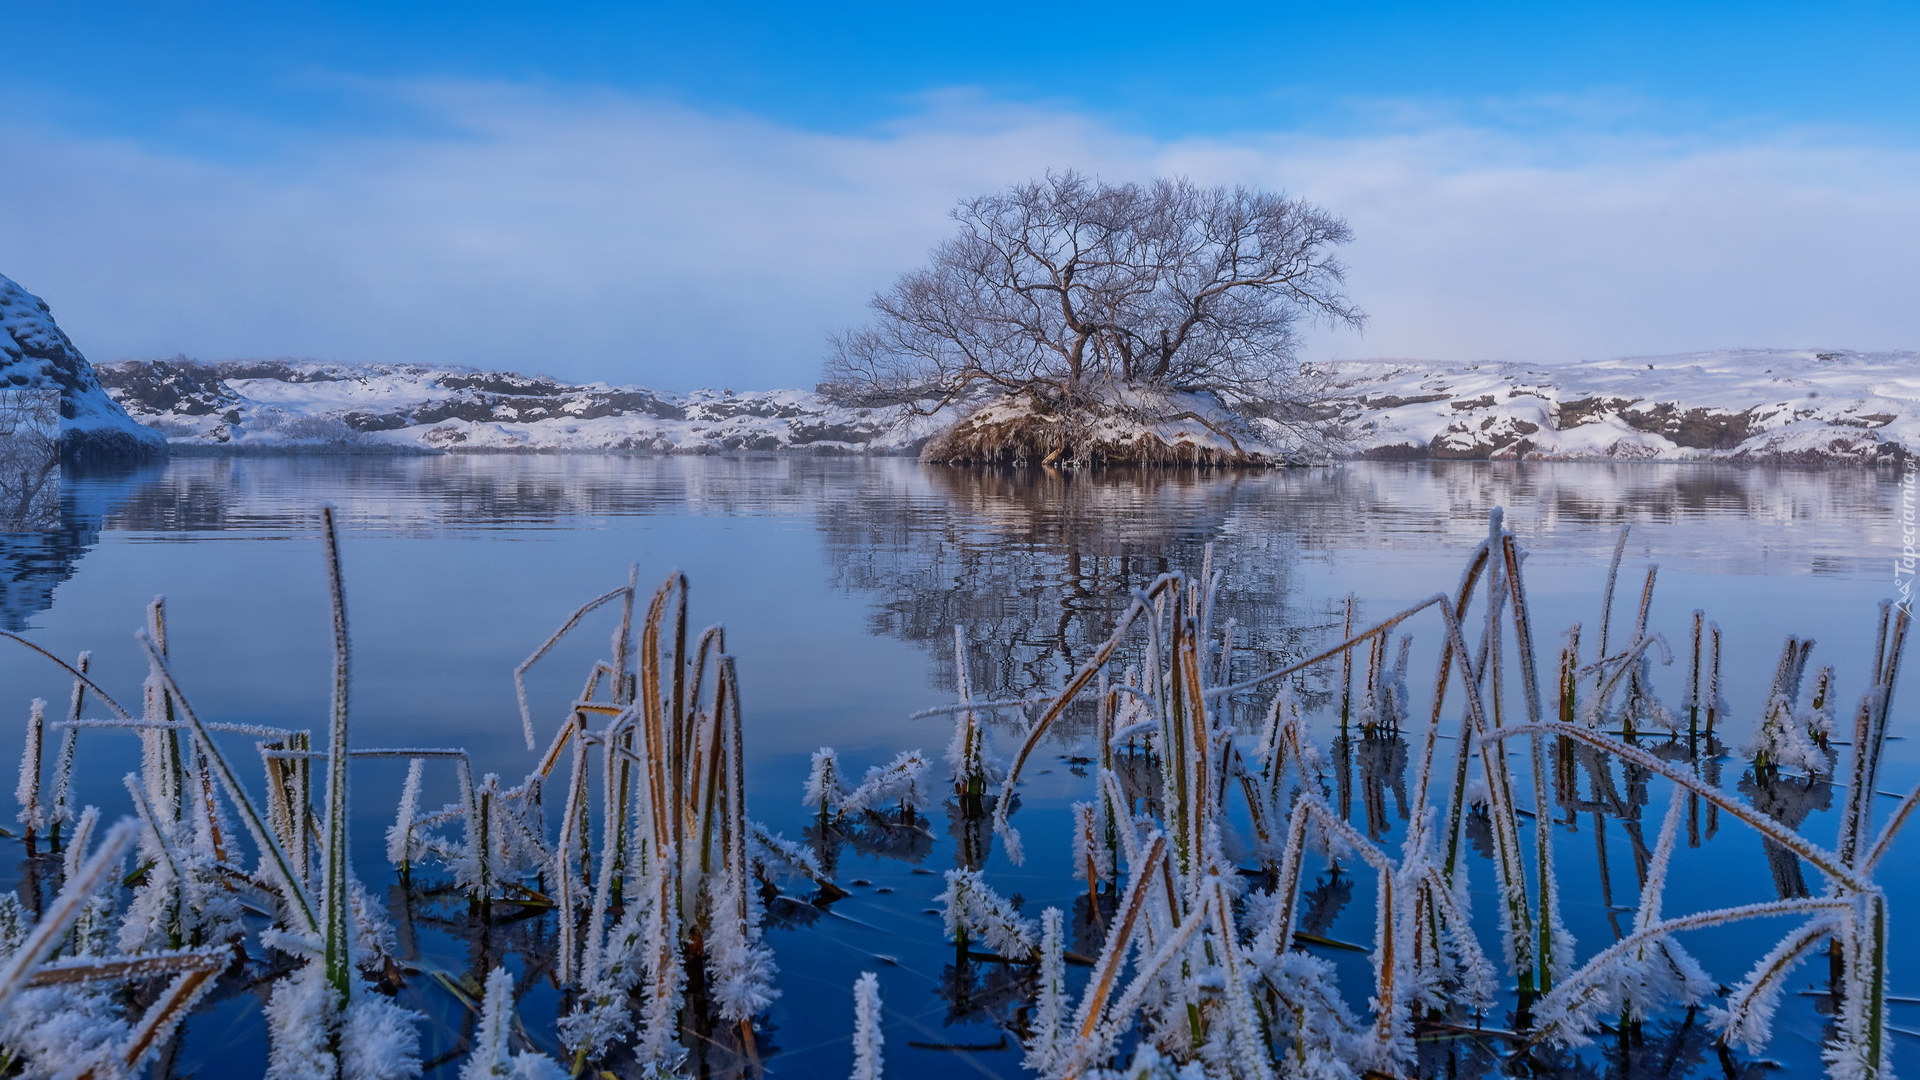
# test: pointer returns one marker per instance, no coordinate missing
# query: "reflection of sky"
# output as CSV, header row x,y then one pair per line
x,y
458,567
36,556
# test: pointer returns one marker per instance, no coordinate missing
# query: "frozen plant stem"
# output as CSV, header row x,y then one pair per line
x,y
336,854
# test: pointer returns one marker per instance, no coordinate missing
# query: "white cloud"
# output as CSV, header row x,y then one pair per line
x,y
636,240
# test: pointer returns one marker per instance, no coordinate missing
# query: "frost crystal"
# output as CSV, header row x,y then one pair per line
x,y
741,966
902,780
1092,857
1048,1044
823,783
492,1056
868,1040
28,790
378,1039
403,845
972,907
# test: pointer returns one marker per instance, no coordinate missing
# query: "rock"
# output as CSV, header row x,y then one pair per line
x,y
168,386
313,406
1735,405
1756,405
36,355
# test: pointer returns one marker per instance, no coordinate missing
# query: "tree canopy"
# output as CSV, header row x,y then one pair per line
x,y
1064,285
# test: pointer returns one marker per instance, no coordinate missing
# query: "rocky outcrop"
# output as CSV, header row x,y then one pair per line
x,y
312,405
1740,405
1756,405
36,357
1126,426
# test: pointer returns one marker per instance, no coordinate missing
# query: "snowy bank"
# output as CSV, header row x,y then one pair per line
x,y
1753,405
1759,405
308,405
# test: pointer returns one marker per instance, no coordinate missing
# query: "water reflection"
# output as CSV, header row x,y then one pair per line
x,y
29,458
1788,800
1382,760
1036,562
31,560
53,527
1036,565
1389,501
1039,564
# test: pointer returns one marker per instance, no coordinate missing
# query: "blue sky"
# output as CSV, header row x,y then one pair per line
x,y
689,195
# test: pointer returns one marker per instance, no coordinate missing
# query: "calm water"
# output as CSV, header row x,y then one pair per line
x,y
840,582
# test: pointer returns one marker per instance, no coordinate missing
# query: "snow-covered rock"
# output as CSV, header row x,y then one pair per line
x,y
295,404
36,357
1773,405
1733,405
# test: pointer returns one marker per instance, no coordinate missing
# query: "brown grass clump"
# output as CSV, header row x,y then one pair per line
x,y
1028,431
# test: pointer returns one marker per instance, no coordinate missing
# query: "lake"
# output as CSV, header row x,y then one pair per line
x,y
840,581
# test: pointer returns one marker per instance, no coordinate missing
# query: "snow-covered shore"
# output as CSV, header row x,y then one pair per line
x,y
1769,405
294,404
1731,405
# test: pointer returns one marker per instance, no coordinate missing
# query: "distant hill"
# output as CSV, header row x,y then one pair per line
x,y
308,404
1774,405
1732,405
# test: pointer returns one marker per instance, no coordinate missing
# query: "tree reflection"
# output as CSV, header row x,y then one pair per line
x,y
29,458
1036,563
42,545
1039,564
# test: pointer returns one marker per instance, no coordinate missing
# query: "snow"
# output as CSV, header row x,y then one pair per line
x,y
1726,405
301,404
35,353
1732,404
28,323
1118,423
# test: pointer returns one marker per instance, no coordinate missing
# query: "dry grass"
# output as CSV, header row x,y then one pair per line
x,y
1031,432
1266,1009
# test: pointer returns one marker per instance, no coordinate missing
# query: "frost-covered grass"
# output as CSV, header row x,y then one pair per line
x,y
1195,842
659,926
1198,946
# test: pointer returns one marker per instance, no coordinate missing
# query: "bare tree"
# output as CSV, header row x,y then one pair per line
x,y
1067,287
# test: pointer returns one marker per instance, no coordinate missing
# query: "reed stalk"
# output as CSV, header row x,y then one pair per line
x,y
337,933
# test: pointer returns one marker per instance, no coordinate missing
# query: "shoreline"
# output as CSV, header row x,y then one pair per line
x,y
1773,407
192,450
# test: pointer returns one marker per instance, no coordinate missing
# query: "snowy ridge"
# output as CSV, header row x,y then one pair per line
x,y
1733,405
1778,405
296,403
